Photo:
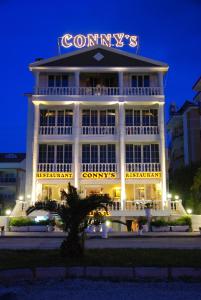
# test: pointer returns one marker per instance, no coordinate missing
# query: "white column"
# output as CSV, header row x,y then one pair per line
x,y
162,151
35,151
29,150
120,82
186,144
160,79
76,133
77,82
122,153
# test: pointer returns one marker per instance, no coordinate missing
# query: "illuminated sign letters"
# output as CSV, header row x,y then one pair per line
x,y
104,39
131,175
54,175
98,175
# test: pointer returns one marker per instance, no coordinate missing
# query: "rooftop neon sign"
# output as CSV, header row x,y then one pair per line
x,y
105,39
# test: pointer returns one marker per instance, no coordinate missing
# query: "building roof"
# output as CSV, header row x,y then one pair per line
x,y
197,85
185,106
98,56
12,157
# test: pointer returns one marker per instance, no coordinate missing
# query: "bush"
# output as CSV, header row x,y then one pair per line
x,y
159,223
184,220
22,221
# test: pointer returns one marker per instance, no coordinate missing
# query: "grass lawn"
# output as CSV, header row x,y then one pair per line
x,y
102,257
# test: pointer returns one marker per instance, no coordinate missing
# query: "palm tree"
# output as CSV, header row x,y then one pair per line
x,y
74,214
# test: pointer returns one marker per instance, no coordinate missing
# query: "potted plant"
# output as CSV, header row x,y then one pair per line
x,y
160,225
20,224
182,224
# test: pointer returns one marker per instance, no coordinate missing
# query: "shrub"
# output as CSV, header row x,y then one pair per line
x,y
159,223
184,220
20,221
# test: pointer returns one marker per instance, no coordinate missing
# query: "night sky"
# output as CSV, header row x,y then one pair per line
x,y
169,31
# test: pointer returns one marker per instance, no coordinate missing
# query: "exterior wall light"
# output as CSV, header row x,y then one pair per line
x,y
21,198
176,197
189,211
169,196
8,212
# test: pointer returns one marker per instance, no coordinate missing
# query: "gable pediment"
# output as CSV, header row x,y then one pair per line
x,y
98,57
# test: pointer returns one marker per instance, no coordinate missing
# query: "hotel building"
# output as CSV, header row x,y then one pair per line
x,y
96,120
184,127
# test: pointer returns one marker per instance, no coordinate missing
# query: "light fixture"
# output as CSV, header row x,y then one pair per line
x,y
8,212
176,197
189,211
107,223
21,198
169,196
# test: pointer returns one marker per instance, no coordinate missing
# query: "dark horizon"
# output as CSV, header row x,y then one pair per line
x,y
168,32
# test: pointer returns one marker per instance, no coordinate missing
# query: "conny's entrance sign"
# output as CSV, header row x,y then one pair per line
x,y
105,39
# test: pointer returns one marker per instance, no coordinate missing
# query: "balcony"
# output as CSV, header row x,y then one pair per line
x,y
144,130
7,180
98,130
103,167
143,167
55,167
136,205
55,130
99,91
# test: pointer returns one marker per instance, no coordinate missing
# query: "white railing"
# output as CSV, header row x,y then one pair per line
x,y
98,130
176,207
145,130
142,204
100,91
55,130
56,91
54,167
6,179
143,167
142,91
103,167
136,205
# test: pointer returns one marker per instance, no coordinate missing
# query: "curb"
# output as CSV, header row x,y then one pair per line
x,y
110,273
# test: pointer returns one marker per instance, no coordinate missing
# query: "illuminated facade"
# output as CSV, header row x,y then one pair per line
x,y
96,119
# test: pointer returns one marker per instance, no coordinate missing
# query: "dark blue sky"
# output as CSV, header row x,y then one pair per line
x,y
169,31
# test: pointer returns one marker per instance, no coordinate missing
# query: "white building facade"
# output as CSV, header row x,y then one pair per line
x,y
96,120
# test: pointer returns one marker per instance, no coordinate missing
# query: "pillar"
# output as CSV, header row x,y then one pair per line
x,y
162,151
76,133
122,153
35,151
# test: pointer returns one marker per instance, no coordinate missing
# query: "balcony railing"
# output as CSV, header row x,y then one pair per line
x,y
103,167
55,130
4,179
54,167
100,91
144,130
143,167
135,205
98,130
142,91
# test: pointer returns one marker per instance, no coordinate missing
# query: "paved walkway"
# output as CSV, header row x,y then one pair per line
x,y
182,241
